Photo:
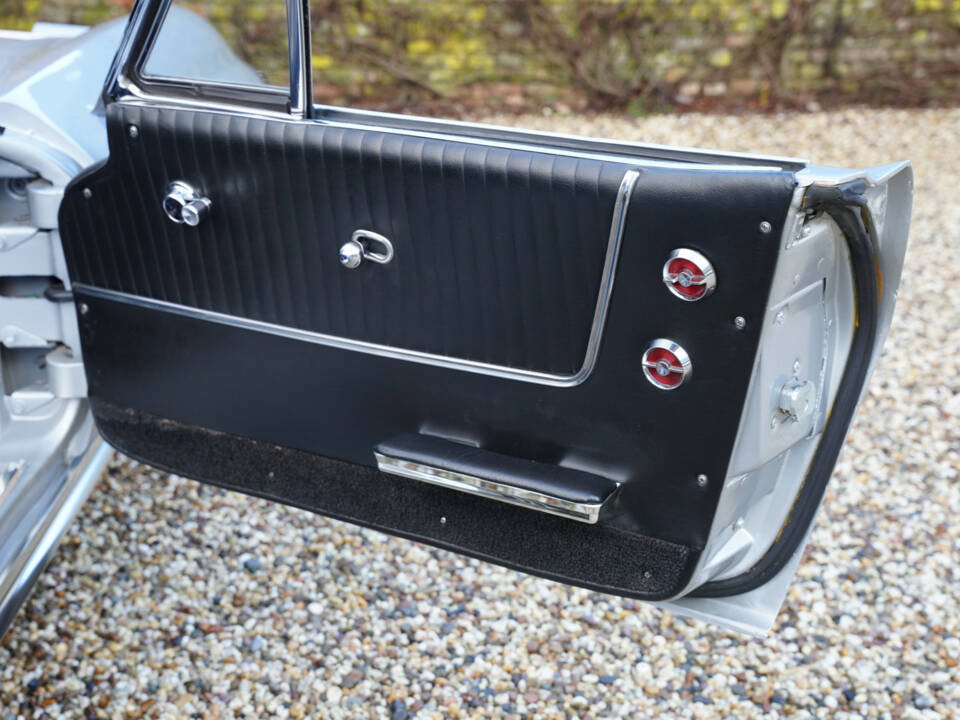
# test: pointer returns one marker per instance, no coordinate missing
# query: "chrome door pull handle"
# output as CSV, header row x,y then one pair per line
x,y
184,205
365,245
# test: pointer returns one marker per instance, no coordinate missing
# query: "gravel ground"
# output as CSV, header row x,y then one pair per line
x,y
169,599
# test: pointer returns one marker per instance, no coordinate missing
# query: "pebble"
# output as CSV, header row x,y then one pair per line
x,y
398,710
171,599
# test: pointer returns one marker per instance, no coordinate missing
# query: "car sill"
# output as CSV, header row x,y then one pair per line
x,y
36,542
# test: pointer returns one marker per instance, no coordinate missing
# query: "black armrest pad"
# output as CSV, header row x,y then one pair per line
x,y
575,486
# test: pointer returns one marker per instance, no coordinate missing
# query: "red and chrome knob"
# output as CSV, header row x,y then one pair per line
x,y
689,275
666,364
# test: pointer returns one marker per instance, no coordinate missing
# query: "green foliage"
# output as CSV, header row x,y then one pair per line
x,y
635,55
638,55
22,14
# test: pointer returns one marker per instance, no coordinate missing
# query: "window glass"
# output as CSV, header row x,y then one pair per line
x,y
225,41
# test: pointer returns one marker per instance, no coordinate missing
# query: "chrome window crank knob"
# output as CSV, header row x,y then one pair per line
x,y
195,211
184,205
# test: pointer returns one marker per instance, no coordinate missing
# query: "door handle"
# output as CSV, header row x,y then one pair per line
x,y
184,205
360,247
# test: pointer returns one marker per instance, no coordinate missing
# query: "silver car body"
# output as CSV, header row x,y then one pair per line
x,y
51,127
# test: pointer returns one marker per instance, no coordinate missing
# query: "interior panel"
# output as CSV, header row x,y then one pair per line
x,y
497,253
498,259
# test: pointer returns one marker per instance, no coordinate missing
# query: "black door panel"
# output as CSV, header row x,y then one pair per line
x,y
498,253
499,256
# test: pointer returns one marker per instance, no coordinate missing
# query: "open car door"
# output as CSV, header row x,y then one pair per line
x,y
623,367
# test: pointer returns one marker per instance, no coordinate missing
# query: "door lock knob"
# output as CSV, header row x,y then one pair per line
x,y
183,205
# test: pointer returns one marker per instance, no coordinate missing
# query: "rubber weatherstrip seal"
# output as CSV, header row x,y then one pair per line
x,y
847,206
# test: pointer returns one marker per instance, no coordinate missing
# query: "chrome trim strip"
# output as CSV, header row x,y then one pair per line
x,y
614,242
298,43
490,489
545,139
133,95
115,85
138,98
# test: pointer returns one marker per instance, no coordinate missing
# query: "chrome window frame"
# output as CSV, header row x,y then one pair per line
x,y
126,79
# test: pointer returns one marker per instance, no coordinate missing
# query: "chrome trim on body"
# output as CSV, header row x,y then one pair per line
x,y
547,140
501,371
69,487
490,489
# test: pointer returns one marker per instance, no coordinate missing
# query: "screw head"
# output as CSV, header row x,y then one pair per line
x,y
740,322
84,308
133,131
765,227
443,521
87,193
702,480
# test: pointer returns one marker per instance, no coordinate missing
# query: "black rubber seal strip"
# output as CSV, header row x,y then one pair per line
x,y
847,206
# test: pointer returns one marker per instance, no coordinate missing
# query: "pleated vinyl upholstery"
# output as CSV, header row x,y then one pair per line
x,y
498,252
